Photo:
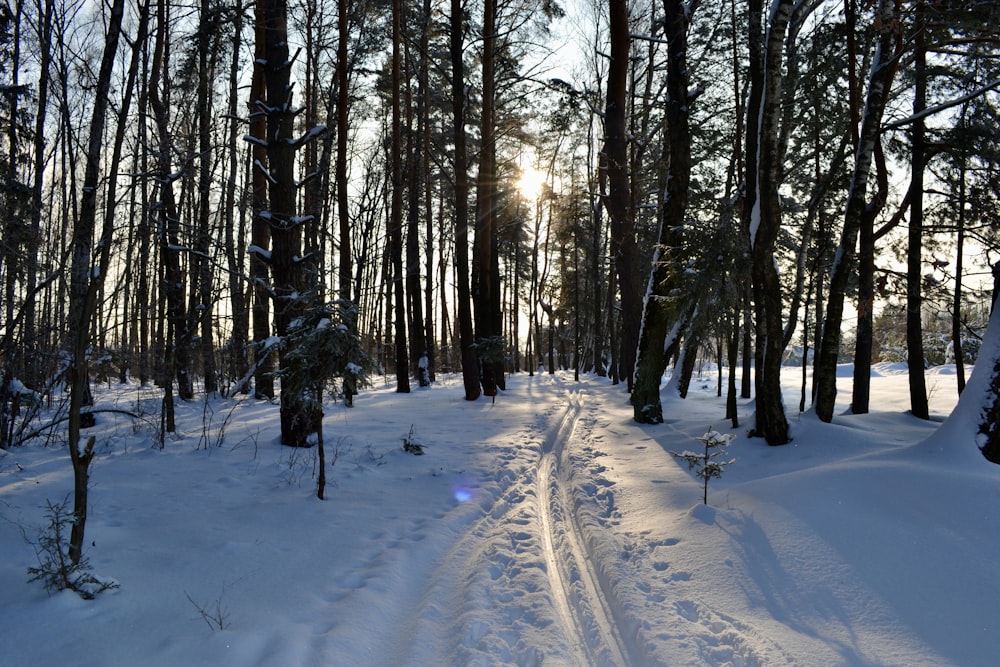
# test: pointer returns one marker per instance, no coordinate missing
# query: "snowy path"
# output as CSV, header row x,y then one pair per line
x,y
577,589
508,577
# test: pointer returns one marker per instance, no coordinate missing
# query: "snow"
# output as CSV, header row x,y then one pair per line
x,y
263,253
543,528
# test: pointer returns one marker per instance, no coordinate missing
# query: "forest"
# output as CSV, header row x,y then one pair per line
x,y
288,198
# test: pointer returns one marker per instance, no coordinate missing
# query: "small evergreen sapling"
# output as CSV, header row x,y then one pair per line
x,y
706,465
324,350
56,570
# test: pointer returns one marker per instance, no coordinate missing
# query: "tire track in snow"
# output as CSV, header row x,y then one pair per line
x,y
580,597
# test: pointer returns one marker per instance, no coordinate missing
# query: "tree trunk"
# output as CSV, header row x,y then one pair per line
x,y
765,222
425,167
486,284
956,308
882,73
201,259
290,289
396,212
915,234
470,364
660,312
623,245
33,375
86,277
236,242
415,155
260,232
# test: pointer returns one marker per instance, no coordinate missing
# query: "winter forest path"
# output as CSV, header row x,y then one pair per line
x,y
505,574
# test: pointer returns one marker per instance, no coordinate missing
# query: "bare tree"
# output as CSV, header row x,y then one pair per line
x,y
86,278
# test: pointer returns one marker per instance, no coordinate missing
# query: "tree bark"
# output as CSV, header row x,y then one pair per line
x,y
915,233
765,222
260,232
291,291
415,191
176,352
236,242
201,259
486,284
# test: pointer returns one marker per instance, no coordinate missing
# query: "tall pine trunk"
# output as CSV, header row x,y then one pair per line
x,y
203,273
915,235
660,312
260,231
291,290
470,364
880,80
617,202
396,211
486,283
236,239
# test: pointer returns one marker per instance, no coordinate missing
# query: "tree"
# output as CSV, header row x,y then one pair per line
x,y
661,306
396,212
486,272
202,273
176,356
235,243
291,289
86,278
887,37
260,232
470,364
976,417
617,202
765,218
915,231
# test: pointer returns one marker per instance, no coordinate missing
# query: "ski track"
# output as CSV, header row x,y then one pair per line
x,y
508,578
581,593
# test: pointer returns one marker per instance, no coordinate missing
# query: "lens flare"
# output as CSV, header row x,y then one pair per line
x,y
464,490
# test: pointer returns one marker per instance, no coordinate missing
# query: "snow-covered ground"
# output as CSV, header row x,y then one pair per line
x,y
546,528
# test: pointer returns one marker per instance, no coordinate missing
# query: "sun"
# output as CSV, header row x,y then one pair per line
x,y
530,182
